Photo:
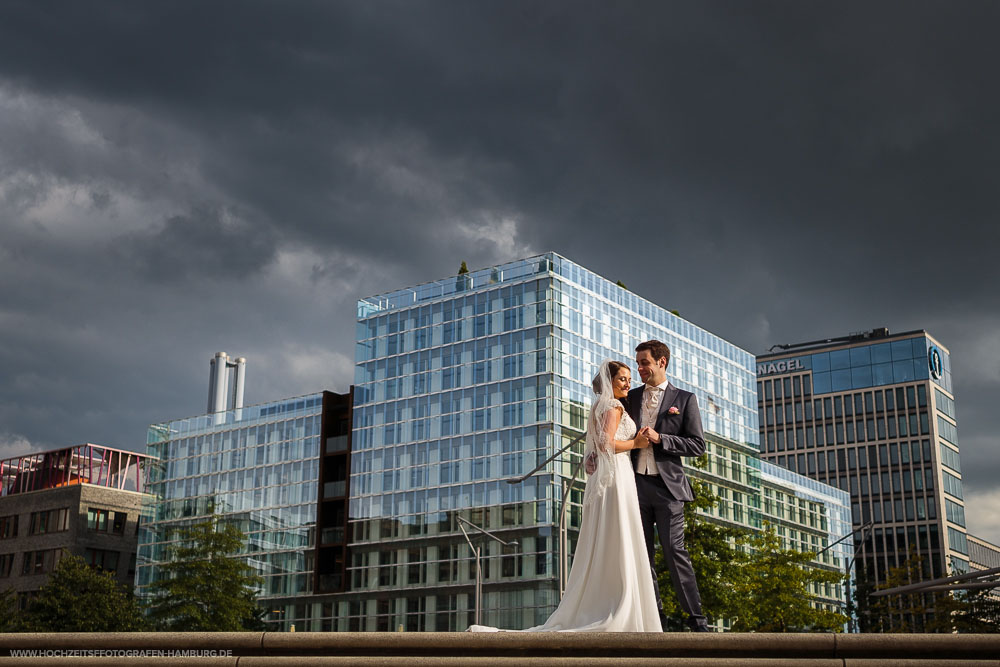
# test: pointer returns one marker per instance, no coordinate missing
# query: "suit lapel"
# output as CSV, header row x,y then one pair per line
x,y
635,405
635,412
667,400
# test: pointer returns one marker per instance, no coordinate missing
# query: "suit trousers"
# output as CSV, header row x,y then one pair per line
x,y
658,506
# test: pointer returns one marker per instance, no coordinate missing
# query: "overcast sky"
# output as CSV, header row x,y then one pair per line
x,y
180,178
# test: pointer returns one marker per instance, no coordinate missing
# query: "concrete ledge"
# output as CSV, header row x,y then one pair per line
x,y
439,661
527,661
554,644
93,662
244,643
953,647
250,649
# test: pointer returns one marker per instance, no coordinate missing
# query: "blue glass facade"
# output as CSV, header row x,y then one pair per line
x,y
815,514
869,365
874,415
468,382
256,467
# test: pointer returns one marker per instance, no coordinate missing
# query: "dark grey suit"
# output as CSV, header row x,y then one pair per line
x,y
662,497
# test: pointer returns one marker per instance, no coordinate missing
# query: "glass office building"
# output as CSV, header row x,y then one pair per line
x,y
463,386
811,516
466,384
874,415
258,467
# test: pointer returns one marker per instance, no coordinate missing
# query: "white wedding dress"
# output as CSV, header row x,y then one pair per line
x,y
609,587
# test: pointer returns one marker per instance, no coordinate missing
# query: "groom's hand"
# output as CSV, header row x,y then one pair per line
x,y
651,435
591,465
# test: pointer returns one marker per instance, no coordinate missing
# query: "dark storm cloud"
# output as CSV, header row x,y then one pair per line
x,y
777,172
204,243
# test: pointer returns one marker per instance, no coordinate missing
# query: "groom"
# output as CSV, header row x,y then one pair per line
x,y
669,418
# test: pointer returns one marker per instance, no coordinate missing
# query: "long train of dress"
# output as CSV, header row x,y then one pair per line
x,y
609,588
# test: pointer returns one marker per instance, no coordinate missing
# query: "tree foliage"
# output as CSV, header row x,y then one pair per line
x,y
976,611
462,270
9,620
204,587
745,577
717,557
79,598
940,611
774,590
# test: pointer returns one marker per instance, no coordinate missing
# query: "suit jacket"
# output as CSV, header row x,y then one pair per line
x,y
681,434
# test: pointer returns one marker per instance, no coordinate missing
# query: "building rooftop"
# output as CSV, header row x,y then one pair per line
x,y
80,464
878,334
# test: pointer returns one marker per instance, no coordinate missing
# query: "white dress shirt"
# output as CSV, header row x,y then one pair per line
x,y
651,397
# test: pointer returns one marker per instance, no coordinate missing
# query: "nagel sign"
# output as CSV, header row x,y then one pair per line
x,y
783,366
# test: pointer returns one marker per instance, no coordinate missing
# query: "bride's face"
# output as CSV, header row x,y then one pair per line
x,y
622,382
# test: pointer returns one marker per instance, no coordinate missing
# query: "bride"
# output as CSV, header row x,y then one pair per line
x,y
609,587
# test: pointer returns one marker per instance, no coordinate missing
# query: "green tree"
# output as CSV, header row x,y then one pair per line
x,y
774,589
896,613
79,598
974,611
716,555
743,576
9,620
206,587
462,270
621,284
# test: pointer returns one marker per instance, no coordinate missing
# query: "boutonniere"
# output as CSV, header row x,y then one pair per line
x,y
673,410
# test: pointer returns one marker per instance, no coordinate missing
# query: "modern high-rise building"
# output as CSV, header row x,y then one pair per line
x,y
811,516
278,471
463,387
84,500
983,555
465,384
874,415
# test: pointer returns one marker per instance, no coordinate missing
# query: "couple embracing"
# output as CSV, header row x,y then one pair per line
x,y
635,439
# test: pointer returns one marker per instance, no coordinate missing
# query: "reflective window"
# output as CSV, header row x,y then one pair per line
x,y
881,353
840,359
840,380
821,362
901,349
861,356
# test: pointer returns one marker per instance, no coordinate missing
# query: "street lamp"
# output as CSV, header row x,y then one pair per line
x,y
563,532
478,554
850,564
978,580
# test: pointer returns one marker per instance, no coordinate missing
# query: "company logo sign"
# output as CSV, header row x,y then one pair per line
x,y
785,366
934,362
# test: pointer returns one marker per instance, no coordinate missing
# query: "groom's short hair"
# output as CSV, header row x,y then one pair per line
x,y
655,348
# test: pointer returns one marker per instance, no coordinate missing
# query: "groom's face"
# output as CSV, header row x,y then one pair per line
x,y
651,371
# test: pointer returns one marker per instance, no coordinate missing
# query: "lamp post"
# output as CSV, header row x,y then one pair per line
x,y
563,533
850,564
477,552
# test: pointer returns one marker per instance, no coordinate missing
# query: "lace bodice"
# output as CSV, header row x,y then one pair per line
x,y
626,428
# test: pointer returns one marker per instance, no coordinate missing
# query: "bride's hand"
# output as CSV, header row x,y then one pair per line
x,y
640,442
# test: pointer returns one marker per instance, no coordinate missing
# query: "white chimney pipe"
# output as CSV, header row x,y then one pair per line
x,y
219,398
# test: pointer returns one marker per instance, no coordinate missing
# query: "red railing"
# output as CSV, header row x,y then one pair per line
x,y
81,464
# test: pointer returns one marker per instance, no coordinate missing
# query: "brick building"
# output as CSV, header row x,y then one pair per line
x,y
84,500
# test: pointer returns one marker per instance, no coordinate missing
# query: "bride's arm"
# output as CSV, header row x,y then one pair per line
x,y
611,420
